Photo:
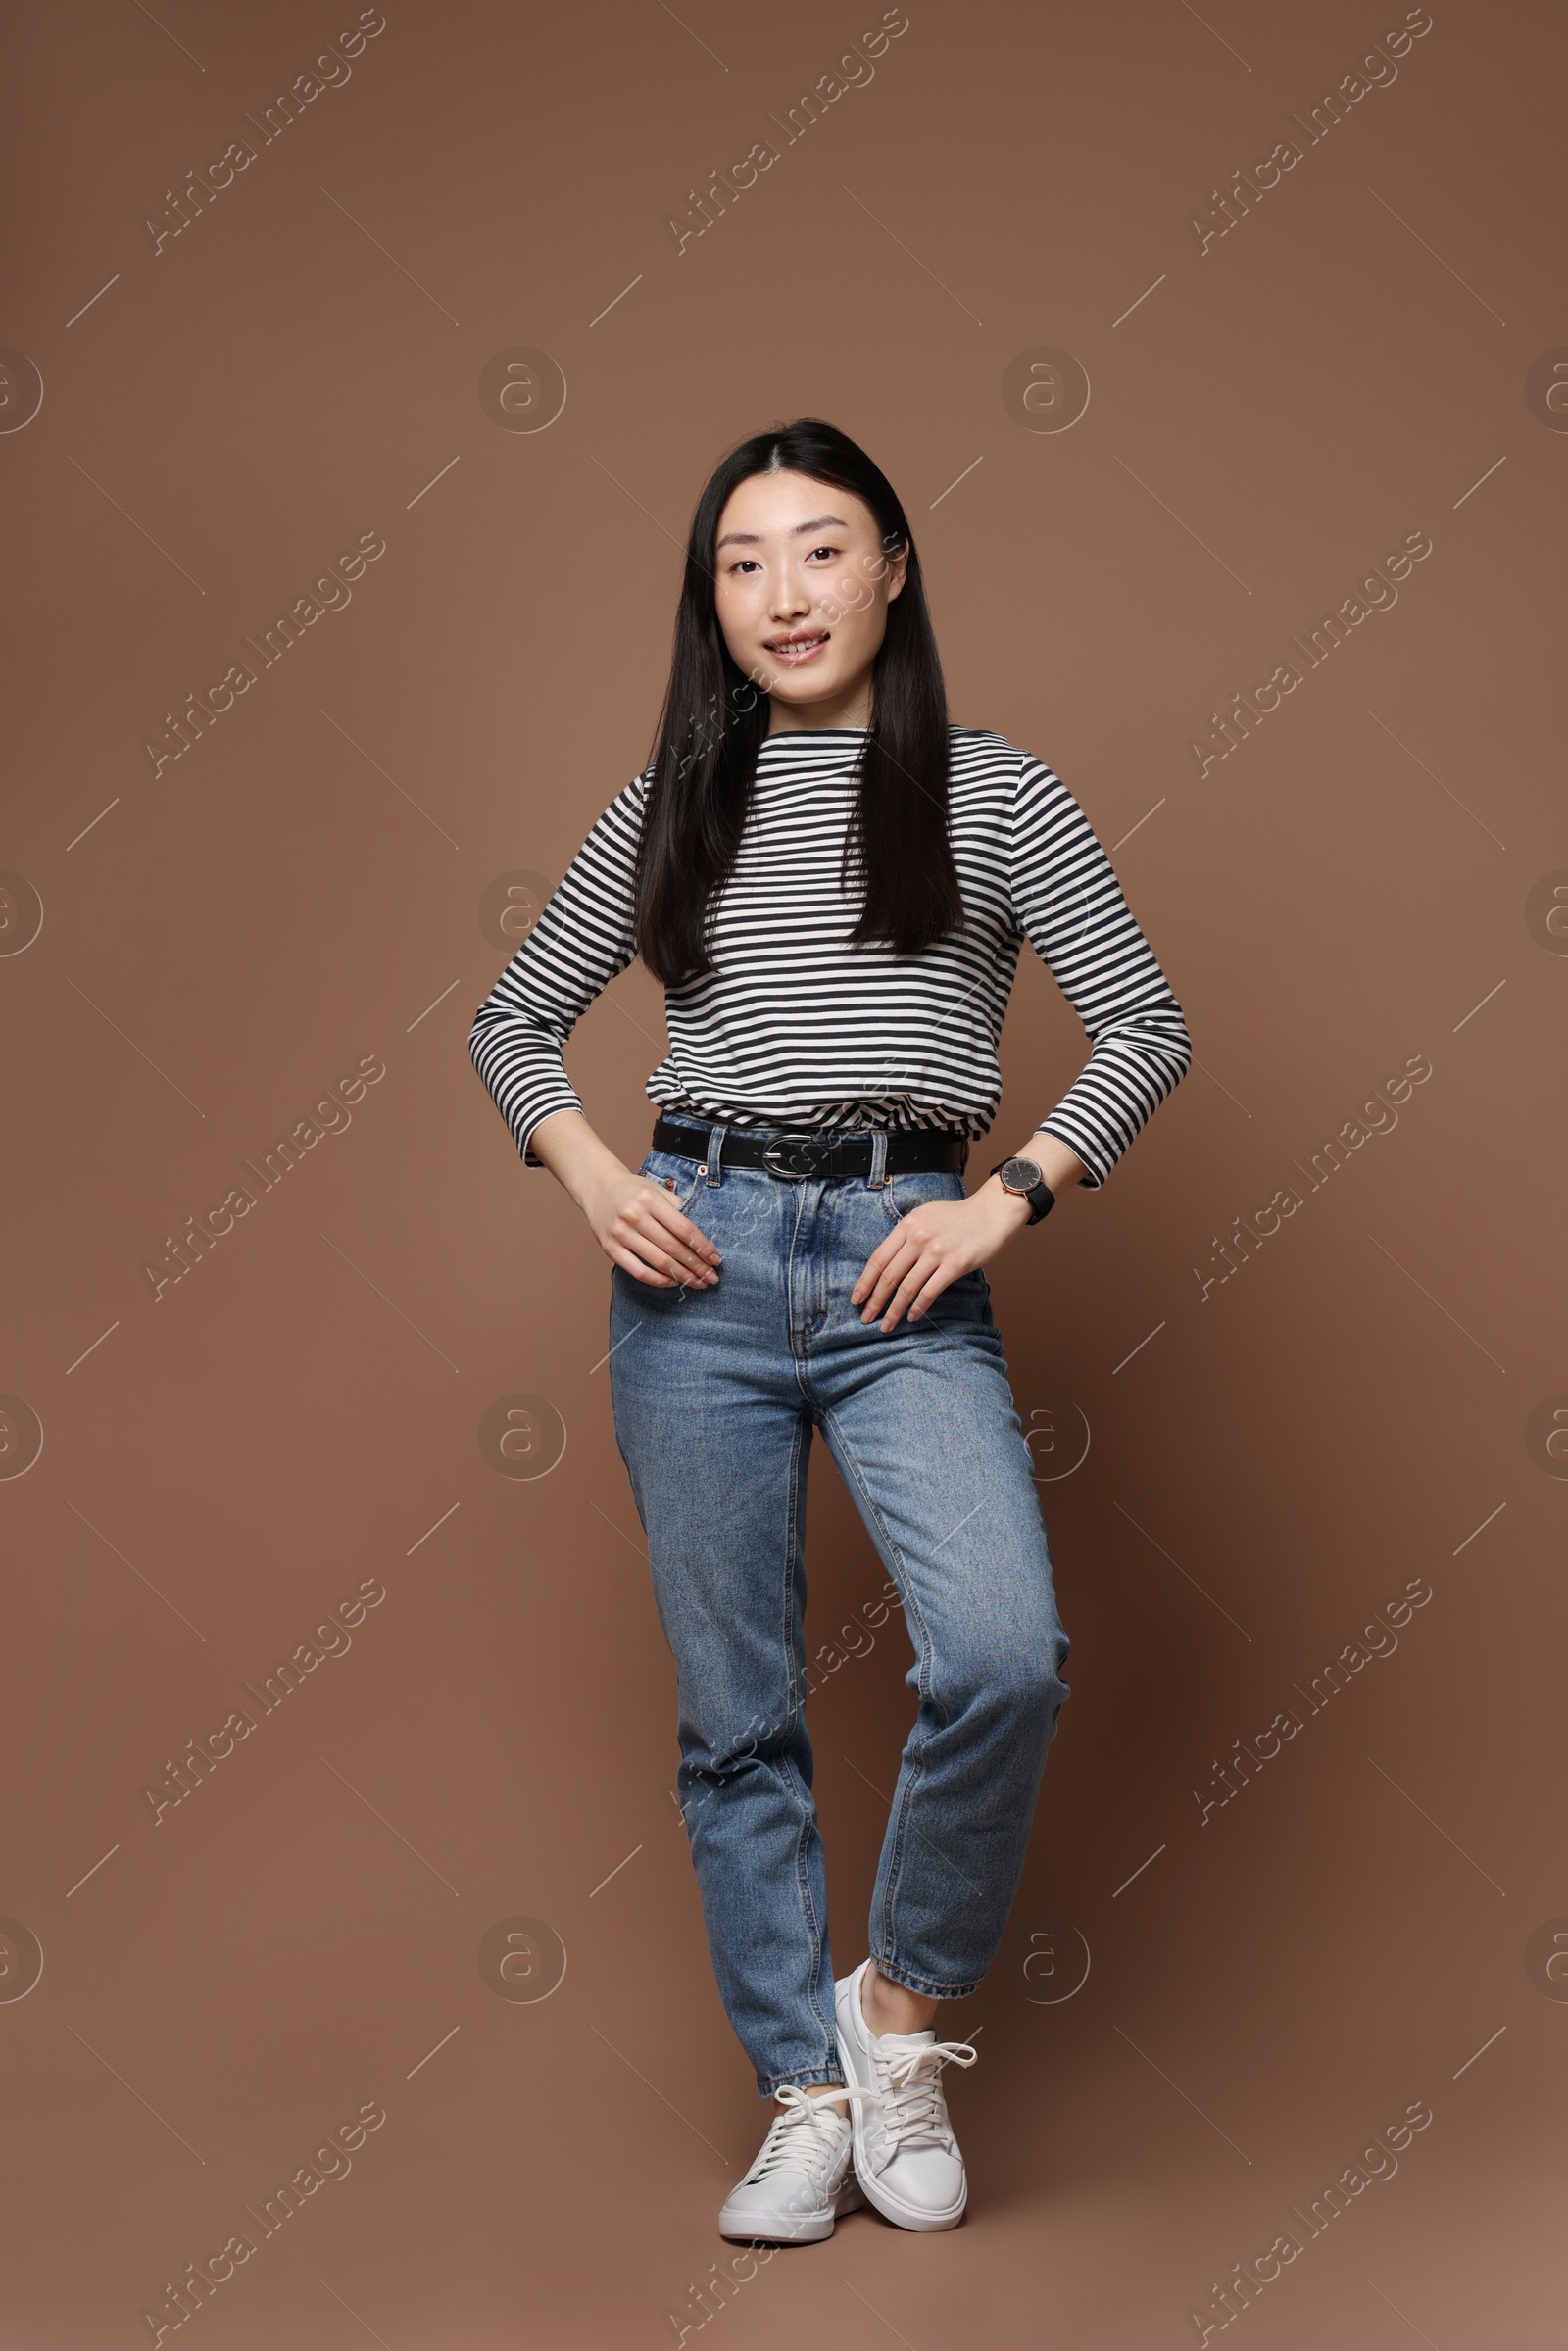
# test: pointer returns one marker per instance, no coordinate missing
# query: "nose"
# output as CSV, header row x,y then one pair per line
x,y
790,599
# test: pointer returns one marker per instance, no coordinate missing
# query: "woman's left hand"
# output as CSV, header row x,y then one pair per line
x,y
935,1245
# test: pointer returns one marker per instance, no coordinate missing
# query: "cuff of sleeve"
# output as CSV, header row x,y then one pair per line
x,y
568,1101
1096,1164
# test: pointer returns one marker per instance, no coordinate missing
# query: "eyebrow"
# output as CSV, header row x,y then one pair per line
x,y
752,538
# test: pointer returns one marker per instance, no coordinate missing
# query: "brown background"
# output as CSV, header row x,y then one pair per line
x,y
298,1413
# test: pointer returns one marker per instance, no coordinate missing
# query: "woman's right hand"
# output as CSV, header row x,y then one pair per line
x,y
633,1219
638,1226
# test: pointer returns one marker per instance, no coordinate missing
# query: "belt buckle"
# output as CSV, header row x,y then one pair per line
x,y
793,1157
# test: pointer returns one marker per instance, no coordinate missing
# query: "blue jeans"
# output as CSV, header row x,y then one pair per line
x,y
716,1393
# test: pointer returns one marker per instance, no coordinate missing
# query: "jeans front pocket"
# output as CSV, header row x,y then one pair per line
x,y
967,1299
902,1193
682,1180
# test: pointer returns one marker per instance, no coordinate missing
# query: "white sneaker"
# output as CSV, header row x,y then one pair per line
x,y
906,2156
802,2178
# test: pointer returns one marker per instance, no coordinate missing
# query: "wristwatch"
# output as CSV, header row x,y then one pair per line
x,y
1023,1177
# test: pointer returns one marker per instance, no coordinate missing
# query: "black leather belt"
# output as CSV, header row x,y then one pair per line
x,y
796,1156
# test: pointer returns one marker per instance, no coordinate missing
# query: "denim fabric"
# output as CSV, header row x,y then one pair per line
x,y
716,1393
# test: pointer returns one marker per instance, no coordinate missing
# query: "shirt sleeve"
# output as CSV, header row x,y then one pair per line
x,y
1069,905
582,938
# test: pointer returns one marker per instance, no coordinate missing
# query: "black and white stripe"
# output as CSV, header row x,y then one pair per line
x,y
797,1029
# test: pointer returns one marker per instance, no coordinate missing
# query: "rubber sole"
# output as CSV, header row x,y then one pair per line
x,y
910,2215
805,2231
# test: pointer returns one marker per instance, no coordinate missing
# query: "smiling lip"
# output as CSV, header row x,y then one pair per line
x,y
795,650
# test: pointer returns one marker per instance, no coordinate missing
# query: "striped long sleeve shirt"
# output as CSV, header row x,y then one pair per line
x,y
797,1028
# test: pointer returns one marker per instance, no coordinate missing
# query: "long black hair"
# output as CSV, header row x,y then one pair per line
x,y
714,722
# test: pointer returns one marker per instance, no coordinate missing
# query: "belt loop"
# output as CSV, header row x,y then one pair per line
x,y
879,1159
716,1146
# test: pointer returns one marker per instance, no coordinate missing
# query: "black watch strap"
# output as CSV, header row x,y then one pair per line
x,y
1042,1199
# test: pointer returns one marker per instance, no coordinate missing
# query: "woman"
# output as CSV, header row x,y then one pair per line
x,y
834,885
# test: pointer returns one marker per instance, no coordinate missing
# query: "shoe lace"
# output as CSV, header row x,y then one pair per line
x,y
799,2139
911,2106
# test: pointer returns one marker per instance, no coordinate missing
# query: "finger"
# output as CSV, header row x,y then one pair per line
x,y
635,1266
878,1291
909,1290
870,1269
886,1280
689,1272
664,1208
932,1289
674,1233
659,1242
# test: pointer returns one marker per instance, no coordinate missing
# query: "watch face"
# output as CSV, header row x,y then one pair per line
x,y
1020,1175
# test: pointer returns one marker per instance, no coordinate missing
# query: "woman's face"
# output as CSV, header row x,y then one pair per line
x,y
803,588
